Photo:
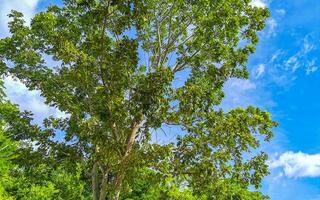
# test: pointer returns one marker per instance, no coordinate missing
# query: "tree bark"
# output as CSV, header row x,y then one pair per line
x,y
103,188
95,185
124,161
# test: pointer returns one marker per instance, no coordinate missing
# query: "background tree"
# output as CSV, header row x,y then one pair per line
x,y
117,76
7,152
27,170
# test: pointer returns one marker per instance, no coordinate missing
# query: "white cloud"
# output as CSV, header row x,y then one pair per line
x,y
246,92
296,165
19,93
16,91
27,7
240,83
258,71
271,30
311,67
292,63
276,55
258,3
272,23
281,11
238,92
28,100
302,59
307,46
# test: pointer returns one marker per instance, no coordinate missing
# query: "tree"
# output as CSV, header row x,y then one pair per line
x,y
24,170
116,74
7,152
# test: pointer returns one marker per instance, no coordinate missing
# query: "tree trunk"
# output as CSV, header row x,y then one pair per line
x,y
124,161
95,184
103,188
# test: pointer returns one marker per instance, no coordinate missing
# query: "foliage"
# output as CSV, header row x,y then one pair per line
x,y
114,77
32,179
150,185
7,150
44,182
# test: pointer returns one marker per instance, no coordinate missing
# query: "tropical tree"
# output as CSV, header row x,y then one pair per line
x,y
126,69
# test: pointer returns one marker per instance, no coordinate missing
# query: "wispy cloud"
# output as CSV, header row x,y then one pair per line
x,y
258,71
280,11
274,23
311,67
293,63
284,64
238,92
275,56
272,26
296,165
243,93
301,58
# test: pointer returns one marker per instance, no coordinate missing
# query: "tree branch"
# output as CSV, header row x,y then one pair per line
x,y
125,159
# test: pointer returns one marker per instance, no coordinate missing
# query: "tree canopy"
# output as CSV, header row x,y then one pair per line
x,y
116,72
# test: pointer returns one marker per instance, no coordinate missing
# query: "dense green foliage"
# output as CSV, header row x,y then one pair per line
x,y
25,172
116,75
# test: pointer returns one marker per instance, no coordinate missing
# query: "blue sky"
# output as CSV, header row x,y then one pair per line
x,y
285,80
